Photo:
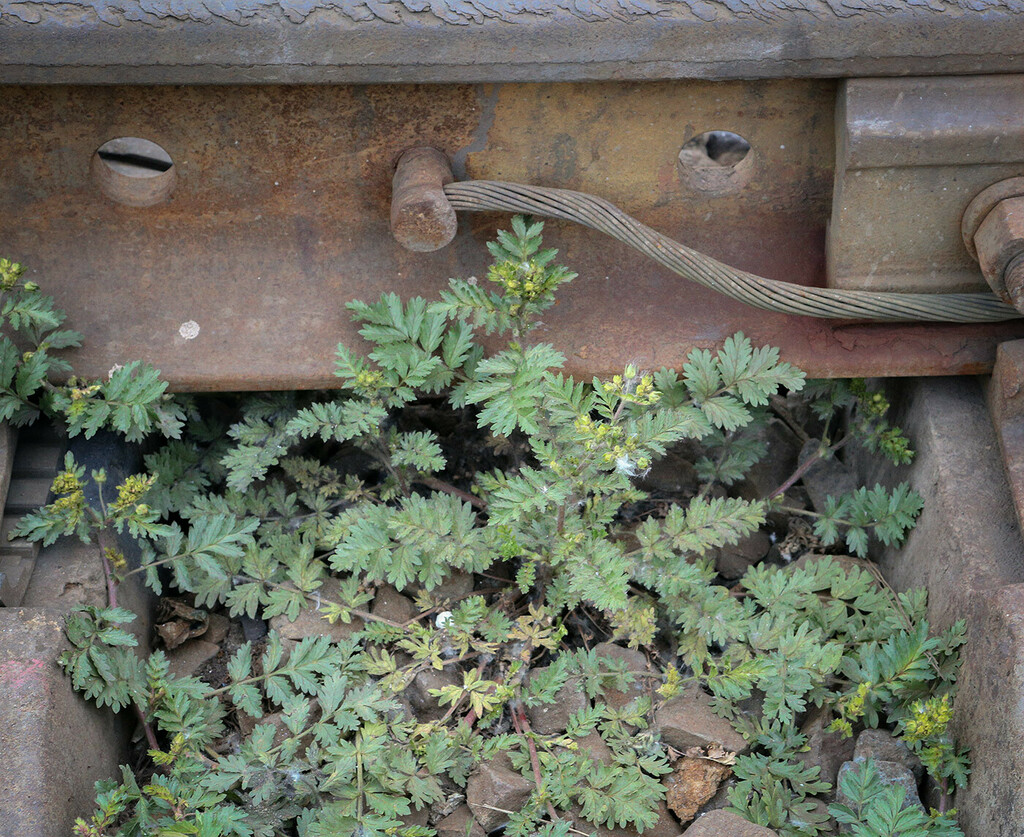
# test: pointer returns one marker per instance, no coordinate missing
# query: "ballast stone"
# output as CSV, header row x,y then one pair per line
x,y
493,790
635,662
390,604
310,623
426,706
879,745
460,823
733,560
826,750
687,721
827,477
889,773
552,718
726,824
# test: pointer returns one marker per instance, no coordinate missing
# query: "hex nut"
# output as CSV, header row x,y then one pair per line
x,y
1000,244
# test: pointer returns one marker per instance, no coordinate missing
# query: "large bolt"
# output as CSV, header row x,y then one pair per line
x,y
422,220
993,230
1013,278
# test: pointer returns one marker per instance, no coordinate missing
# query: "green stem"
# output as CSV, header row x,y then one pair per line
x,y
102,539
359,777
366,616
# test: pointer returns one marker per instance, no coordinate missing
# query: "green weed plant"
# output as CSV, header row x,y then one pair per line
x,y
317,500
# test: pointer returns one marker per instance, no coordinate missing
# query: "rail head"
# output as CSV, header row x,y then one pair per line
x,y
367,41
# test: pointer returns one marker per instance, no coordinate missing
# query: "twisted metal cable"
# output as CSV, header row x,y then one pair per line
x,y
600,215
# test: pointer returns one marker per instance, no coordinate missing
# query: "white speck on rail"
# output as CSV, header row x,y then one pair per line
x,y
189,330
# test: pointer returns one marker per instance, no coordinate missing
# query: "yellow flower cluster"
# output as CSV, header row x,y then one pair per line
x,y
850,709
526,280
131,491
612,438
10,272
928,718
116,558
66,482
634,387
80,393
368,379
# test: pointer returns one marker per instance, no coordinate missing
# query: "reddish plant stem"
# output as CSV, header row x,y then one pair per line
x,y
805,466
522,726
778,404
944,798
448,488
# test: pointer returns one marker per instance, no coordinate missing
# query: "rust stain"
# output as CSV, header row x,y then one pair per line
x,y
280,216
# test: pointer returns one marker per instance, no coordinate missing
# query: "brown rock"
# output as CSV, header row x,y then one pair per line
x,y
423,703
774,467
186,659
635,661
881,746
310,623
692,783
178,622
553,718
726,824
217,628
492,791
827,477
734,560
687,721
829,825
281,731
177,632
721,798
460,823
418,816
674,473
593,745
455,586
889,773
390,604
827,750
665,826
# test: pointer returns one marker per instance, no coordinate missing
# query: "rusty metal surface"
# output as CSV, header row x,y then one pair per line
x,y
422,220
992,228
280,215
1005,396
1000,245
911,154
357,41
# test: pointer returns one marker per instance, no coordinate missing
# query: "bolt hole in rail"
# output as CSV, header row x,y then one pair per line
x,y
256,212
133,171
